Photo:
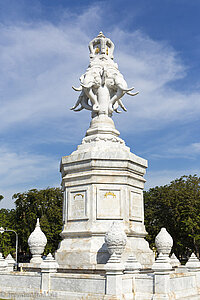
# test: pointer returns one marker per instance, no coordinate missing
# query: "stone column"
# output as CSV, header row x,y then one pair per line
x,y
162,270
193,265
162,267
48,267
132,267
114,272
115,240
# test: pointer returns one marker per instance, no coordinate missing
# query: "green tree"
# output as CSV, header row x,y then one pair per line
x,y
177,207
44,204
7,239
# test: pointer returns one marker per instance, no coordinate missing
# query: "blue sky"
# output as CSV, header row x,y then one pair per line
x,y
44,51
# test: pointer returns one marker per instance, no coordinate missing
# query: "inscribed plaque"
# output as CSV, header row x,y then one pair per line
x,y
77,205
136,202
108,204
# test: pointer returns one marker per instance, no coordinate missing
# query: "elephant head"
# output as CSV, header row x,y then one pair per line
x,y
90,82
118,87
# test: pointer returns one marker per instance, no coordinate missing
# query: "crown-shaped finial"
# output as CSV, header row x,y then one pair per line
x,y
101,47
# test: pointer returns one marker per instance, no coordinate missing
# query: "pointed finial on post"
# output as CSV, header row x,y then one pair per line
x,y
37,242
164,242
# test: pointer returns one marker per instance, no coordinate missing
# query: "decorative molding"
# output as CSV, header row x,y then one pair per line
x,y
193,263
132,265
49,264
174,261
162,263
102,138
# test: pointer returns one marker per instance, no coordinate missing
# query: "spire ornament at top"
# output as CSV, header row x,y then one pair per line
x,y
102,86
101,46
101,34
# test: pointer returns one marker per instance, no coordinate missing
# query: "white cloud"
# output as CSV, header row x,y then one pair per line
x,y
163,177
38,73
190,151
22,171
151,66
39,64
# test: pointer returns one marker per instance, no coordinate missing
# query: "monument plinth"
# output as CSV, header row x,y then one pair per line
x,y
102,180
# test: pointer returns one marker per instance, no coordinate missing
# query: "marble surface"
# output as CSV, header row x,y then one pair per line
x,y
102,182
114,284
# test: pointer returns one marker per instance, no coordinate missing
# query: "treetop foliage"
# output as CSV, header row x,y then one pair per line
x,y
176,207
44,204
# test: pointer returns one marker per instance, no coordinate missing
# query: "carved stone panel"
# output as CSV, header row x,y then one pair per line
x,y
108,204
136,204
77,205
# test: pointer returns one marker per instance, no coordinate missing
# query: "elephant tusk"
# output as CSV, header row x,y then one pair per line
x,y
122,105
125,90
78,109
77,89
74,108
128,90
117,111
95,107
132,94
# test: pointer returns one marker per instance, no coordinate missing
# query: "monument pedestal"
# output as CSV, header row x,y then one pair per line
x,y
102,182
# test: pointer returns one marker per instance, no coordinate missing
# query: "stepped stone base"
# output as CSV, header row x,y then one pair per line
x,y
92,253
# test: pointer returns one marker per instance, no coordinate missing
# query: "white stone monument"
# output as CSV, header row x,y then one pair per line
x,y
103,254
102,180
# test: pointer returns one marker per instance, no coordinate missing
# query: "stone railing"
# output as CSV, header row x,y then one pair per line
x,y
167,279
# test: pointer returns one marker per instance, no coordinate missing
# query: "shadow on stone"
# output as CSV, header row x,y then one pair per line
x,y
103,255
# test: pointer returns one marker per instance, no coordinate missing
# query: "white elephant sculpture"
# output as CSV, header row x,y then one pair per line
x,y
102,86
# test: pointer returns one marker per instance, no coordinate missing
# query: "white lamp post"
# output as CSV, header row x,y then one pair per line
x,y
2,230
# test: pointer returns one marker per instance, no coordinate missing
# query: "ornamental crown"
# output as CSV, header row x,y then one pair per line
x,y
101,46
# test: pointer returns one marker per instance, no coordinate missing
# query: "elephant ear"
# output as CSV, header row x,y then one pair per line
x,y
82,77
112,91
88,86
